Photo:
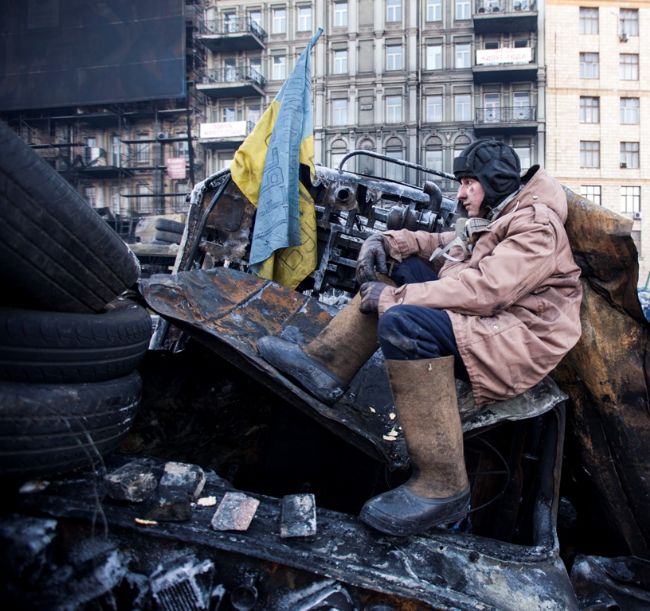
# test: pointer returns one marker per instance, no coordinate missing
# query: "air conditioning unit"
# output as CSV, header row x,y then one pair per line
x,y
636,215
622,37
162,136
623,164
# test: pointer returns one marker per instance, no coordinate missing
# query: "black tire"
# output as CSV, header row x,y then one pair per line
x,y
48,429
45,347
170,225
56,252
168,237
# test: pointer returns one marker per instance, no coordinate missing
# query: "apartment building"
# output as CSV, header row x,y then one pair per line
x,y
598,106
410,80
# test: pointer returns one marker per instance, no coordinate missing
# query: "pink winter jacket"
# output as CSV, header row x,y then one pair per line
x,y
514,302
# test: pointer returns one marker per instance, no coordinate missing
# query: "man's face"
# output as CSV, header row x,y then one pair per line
x,y
471,194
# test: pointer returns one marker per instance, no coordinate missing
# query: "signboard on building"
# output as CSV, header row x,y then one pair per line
x,y
226,129
504,55
175,167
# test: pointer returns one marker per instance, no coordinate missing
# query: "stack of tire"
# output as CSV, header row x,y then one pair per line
x,y
69,347
168,231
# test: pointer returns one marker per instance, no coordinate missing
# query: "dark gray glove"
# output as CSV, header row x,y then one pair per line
x,y
372,259
370,293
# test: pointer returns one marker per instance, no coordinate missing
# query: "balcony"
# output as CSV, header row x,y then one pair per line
x,y
492,16
224,135
232,34
231,82
505,120
505,65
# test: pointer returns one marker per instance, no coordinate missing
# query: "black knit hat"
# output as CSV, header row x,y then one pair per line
x,y
494,164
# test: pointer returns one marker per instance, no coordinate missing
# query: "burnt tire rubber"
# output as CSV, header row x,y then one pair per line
x,y
168,237
56,253
49,429
170,225
61,347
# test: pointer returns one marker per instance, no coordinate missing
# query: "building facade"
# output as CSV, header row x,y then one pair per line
x,y
598,106
410,80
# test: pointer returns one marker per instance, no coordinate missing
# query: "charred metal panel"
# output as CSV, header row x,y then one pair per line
x,y
230,310
606,376
442,569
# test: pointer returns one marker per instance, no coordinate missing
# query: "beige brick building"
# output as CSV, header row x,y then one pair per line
x,y
598,106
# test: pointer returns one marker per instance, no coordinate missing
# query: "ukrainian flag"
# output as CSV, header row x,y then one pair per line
x,y
266,169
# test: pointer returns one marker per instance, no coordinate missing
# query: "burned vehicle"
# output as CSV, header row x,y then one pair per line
x,y
219,426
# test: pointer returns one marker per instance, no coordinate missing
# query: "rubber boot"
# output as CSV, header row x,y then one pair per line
x,y
424,392
325,366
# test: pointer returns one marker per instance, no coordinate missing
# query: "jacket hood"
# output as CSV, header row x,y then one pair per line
x,y
540,188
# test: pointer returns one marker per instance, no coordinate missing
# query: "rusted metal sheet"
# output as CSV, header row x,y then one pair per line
x,y
606,374
230,310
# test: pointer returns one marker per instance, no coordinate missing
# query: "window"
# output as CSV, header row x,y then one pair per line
x,y
394,171
462,107
588,20
589,65
393,109
116,152
433,108
340,61
592,193
340,14
228,114
434,10
304,19
589,154
434,57
340,111
393,57
279,67
631,199
279,21
628,24
253,113
181,147
521,108
492,109
628,67
523,151
230,21
255,64
142,199
462,9
115,199
462,56
433,160
393,10
630,111
630,155
90,195
229,69
255,17
142,149
589,109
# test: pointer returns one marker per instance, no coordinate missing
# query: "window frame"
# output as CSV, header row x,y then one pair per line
x,y
590,154
391,116
589,109
586,67
433,8
300,26
462,10
466,55
279,19
340,15
433,103
630,194
634,110
393,11
628,22
589,191
340,111
588,24
275,64
629,154
336,60
631,67
433,51
457,97
392,55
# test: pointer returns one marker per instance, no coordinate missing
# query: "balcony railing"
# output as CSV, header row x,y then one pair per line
x,y
504,6
234,25
505,114
233,75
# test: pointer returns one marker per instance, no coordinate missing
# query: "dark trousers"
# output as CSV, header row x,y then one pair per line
x,y
408,332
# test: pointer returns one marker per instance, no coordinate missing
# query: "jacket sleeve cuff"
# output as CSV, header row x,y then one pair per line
x,y
389,297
